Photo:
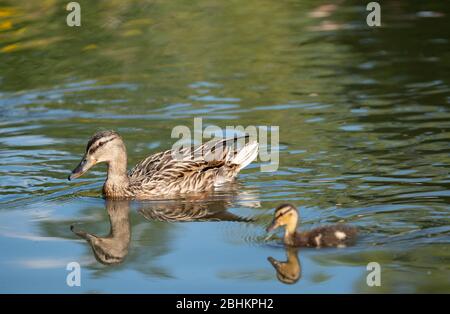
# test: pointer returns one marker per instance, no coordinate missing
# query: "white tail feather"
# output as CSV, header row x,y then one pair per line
x,y
246,155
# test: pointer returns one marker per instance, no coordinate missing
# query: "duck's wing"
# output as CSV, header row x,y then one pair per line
x,y
209,155
239,151
183,176
151,164
220,149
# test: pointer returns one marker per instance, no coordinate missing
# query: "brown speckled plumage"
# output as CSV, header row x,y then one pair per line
x,y
325,236
166,174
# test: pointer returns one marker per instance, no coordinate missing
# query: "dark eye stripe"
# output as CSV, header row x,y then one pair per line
x,y
282,214
93,149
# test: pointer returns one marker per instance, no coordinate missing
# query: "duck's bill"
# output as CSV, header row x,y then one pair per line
x,y
82,167
82,234
272,226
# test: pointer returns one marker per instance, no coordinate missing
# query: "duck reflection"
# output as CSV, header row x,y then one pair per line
x,y
201,207
189,210
113,248
289,271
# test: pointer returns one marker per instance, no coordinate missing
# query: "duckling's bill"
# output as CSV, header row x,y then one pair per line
x,y
273,225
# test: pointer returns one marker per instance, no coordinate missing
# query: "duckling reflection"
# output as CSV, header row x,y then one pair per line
x,y
289,271
113,248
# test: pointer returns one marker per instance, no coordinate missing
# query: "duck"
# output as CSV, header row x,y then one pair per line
x,y
113,248
165,174
335,235
289,271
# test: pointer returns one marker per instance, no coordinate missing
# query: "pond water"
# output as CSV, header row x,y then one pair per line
x,y
364,121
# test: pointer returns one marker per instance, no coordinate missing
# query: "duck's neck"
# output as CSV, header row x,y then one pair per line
x,y
117,183
289,234
118,211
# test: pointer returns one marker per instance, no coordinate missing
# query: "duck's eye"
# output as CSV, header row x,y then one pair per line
x,y
98,146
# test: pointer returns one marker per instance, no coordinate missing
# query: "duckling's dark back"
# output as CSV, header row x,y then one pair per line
x,y
338,235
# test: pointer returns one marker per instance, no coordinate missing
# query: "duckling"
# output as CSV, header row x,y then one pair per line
x,y
113,248
290,271
337,235
167,173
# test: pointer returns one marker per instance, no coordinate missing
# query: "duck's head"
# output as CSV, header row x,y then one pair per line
x,y
104,146
107,250
286,215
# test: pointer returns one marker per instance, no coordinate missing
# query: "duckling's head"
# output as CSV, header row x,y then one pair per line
x,y
286,215
104,146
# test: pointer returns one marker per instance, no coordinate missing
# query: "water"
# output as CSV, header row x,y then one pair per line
x,y
364,129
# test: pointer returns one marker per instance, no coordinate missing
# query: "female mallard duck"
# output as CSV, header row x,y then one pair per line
x,y
166,173
337,235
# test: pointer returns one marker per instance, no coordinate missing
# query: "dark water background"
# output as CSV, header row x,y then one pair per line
x,y
364,130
